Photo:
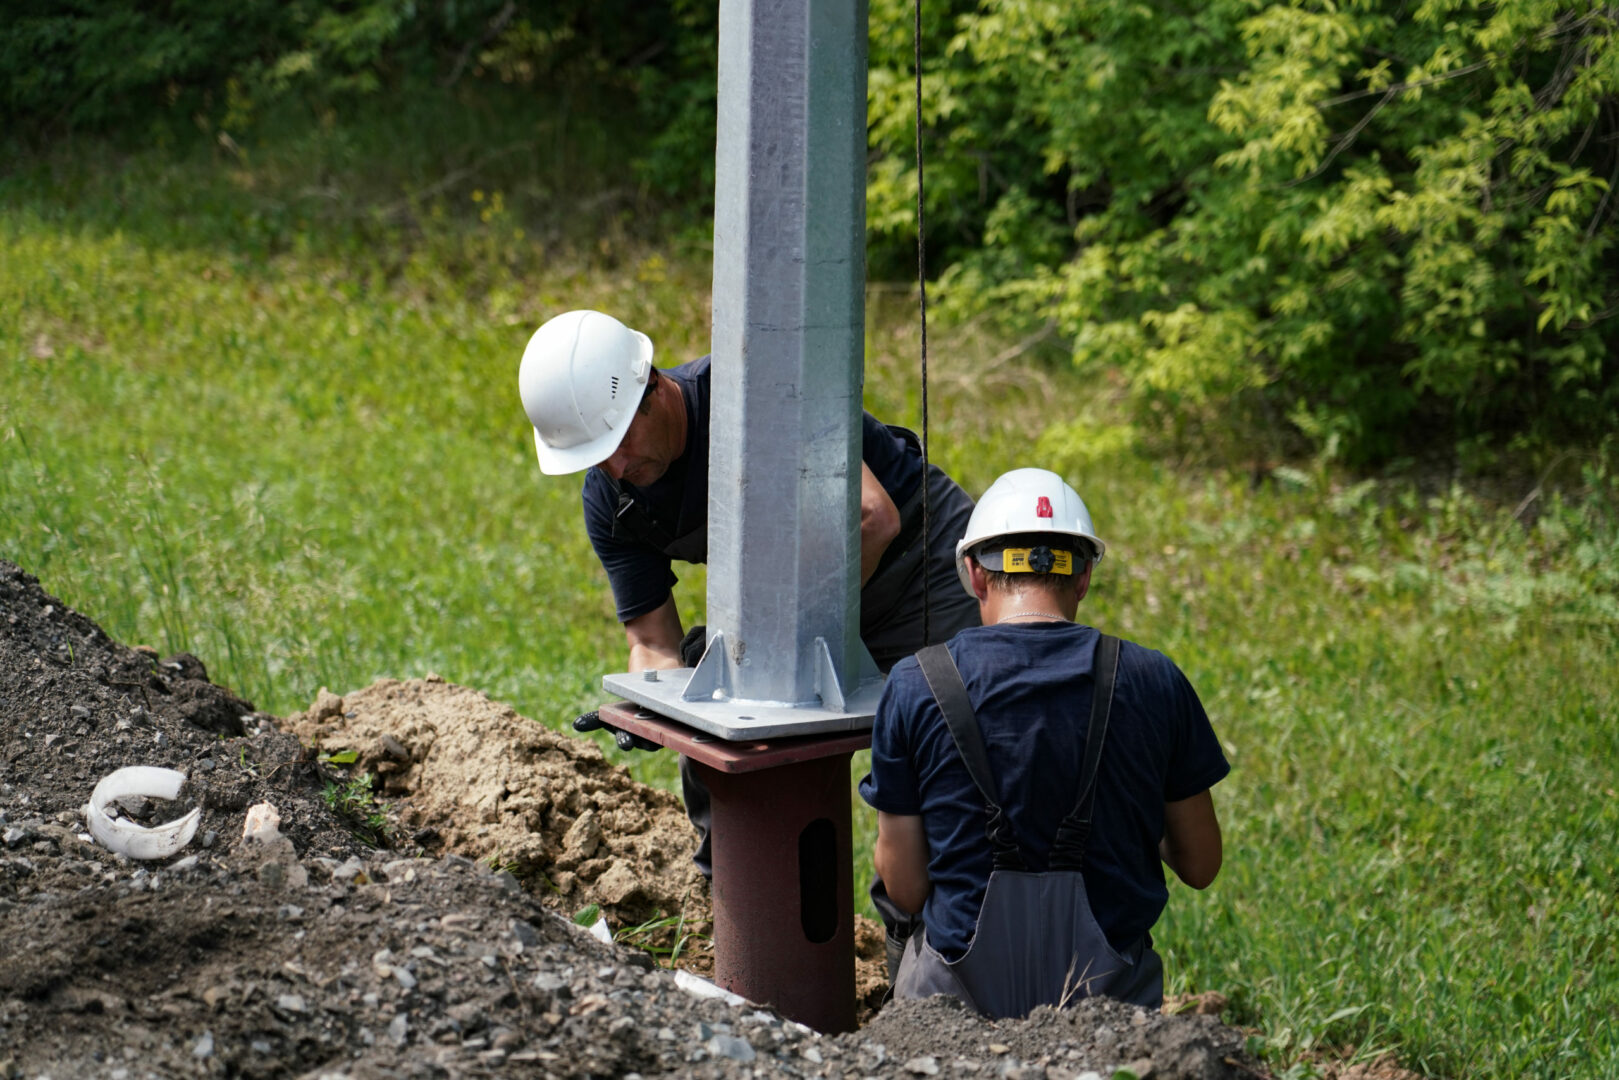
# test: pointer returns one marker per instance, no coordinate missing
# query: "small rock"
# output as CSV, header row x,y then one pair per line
x,y
293,1003
812,1055
187,863
923,1066
16,836
327,705
400,870
352,872
263,823
404,978
468,1016
999,1048
279,874
399,1029
204,1047
583,836
160,740
730,1046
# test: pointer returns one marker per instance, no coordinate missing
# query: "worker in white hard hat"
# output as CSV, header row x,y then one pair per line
x,y
1032,777
640,434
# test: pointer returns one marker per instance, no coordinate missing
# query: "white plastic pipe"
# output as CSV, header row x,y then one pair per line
x,y
124,836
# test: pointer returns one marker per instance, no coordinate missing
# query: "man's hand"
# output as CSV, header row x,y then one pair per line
x,y
654,637
627,740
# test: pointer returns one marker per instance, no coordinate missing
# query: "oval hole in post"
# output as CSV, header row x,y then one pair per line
x,y
818,880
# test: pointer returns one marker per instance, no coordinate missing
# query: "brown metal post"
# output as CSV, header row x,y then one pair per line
x,y
783,854
783,889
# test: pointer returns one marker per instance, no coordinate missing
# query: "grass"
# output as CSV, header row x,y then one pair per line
x,y
354,800
279,429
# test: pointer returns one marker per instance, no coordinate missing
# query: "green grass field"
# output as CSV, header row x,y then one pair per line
x,y
273,420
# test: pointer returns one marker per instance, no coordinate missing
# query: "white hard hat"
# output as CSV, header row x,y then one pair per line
x,y
1025,501
581,380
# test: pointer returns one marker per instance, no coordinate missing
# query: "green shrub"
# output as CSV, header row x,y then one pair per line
x,y
1369,225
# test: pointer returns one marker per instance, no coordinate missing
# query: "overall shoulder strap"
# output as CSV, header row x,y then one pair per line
x,y
944,679
1068,847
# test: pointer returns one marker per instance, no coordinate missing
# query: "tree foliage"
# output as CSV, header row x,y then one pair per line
x,y
1360,221
97,64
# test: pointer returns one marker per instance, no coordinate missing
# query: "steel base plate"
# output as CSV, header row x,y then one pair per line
x,y
743,720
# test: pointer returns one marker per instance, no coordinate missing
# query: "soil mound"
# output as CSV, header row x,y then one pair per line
x,y
472,775
316,956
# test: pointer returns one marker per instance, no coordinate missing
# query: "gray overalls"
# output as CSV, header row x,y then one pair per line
x,y
1036,942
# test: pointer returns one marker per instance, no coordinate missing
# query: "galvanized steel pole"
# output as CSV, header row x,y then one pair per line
x,y
789,336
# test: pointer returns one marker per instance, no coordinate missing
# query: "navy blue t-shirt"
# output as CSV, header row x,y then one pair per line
x,y
677,502
1030,685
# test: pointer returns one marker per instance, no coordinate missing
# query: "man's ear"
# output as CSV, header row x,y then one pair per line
x,y
978,578
1083,584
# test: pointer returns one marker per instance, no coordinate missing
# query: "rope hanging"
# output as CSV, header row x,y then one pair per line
x,y
922,288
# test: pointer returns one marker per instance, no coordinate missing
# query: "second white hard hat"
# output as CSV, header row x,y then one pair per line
x,y
1026,501
581,381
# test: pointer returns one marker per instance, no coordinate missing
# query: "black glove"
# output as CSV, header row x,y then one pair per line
x,y
627,740
693,645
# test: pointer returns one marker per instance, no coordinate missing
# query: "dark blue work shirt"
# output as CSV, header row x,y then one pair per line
x,y
1030,685
677,502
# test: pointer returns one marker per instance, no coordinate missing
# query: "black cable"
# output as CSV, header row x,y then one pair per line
x,y
922,288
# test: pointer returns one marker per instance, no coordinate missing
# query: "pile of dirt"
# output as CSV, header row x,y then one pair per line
x,y
318,956
469,775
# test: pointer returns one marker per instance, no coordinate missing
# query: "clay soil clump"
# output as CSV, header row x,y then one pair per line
x,y
469,775
448,954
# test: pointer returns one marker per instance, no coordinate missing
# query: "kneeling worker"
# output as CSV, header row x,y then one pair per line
x,y
1030,775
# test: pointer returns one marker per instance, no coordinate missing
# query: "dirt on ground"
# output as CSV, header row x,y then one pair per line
x,y
304,952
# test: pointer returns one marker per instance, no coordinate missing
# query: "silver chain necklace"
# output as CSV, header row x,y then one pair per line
x,y
1047,615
